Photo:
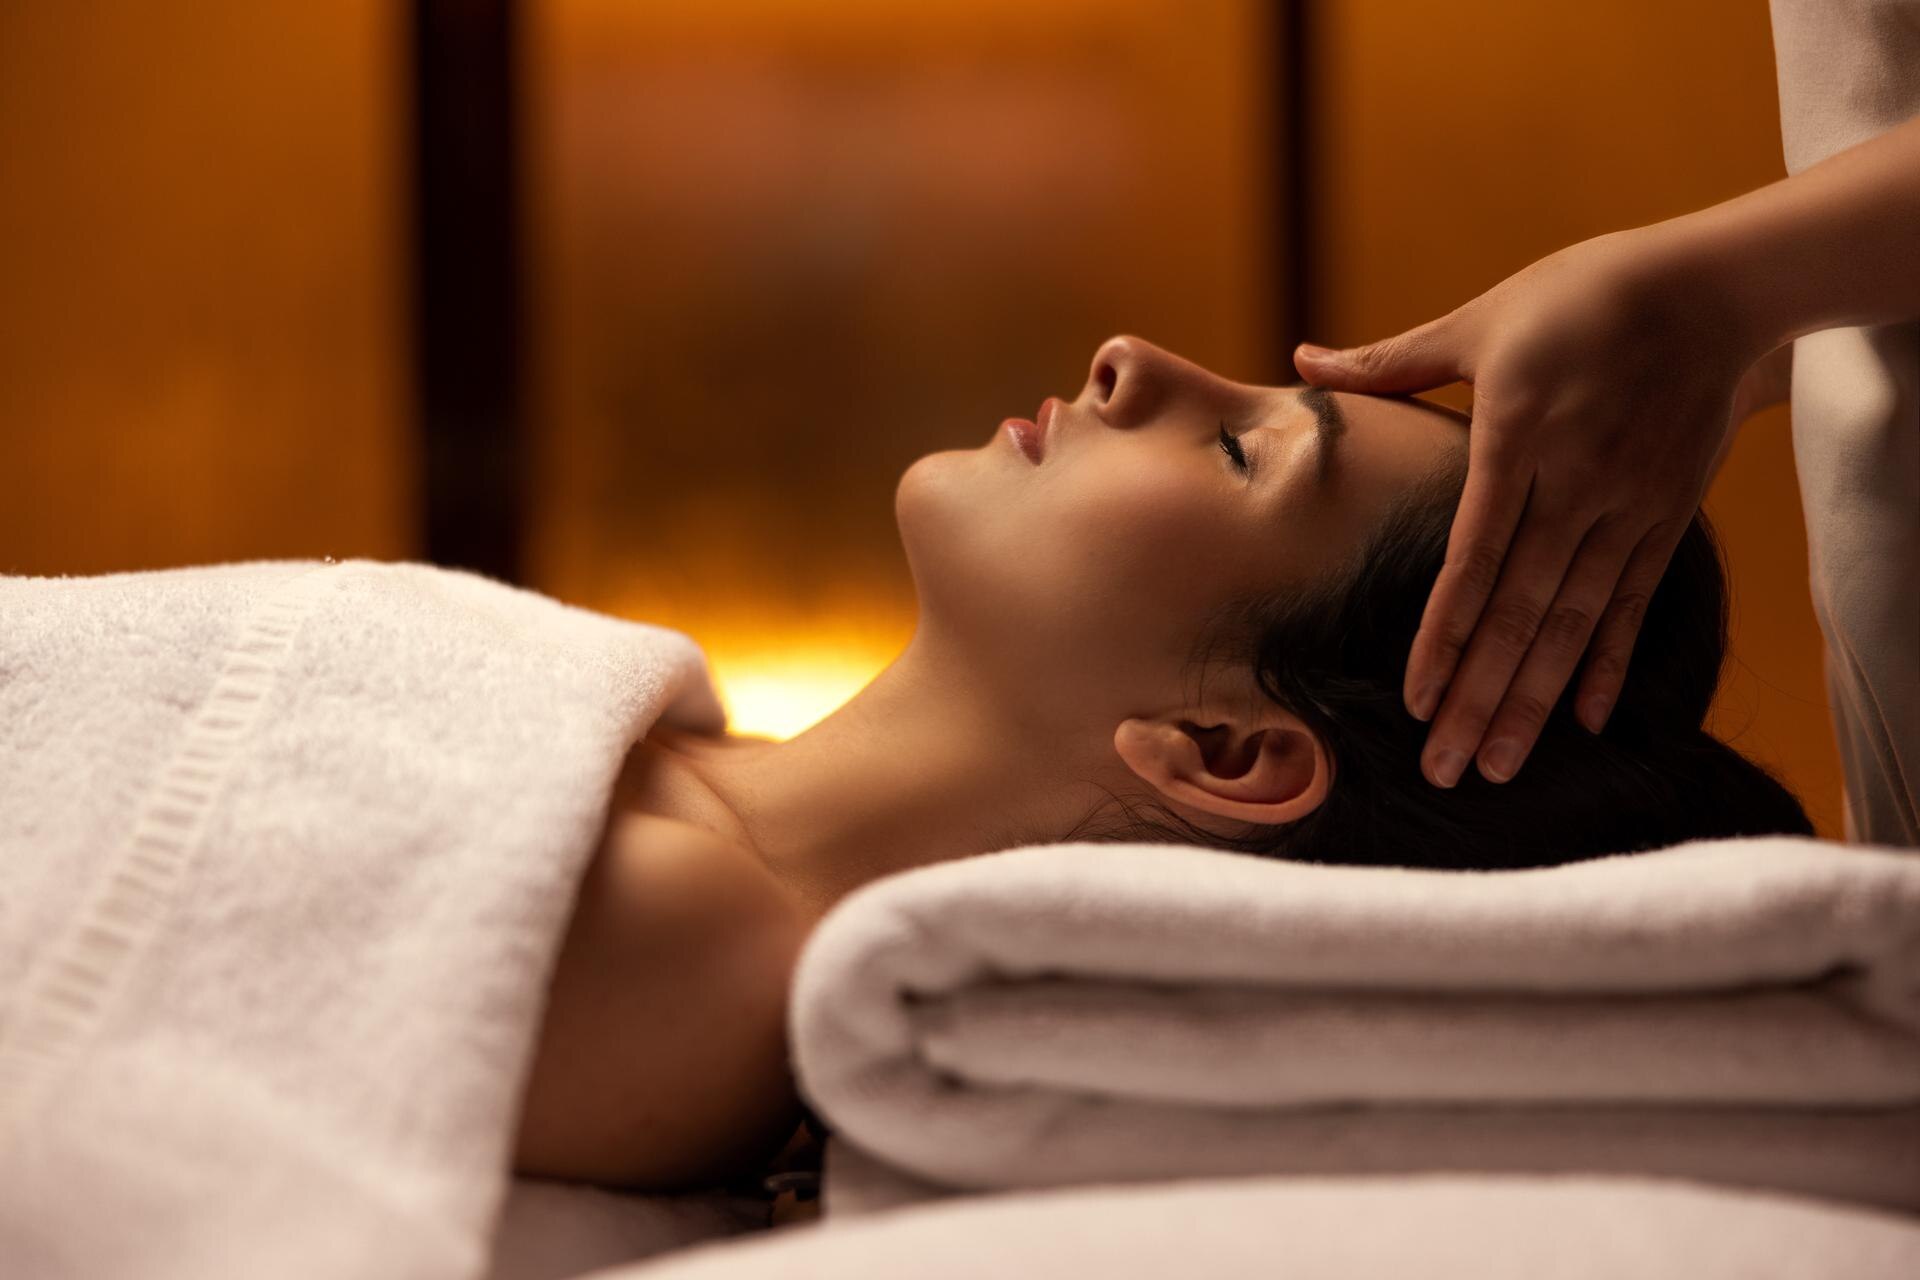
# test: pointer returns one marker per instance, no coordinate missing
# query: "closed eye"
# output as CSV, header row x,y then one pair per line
x,y
1231,447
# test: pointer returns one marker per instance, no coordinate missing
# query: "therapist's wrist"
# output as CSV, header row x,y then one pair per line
x,y
1712,261
1829,247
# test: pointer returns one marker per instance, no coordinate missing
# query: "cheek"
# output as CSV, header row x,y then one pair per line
x,y
1087,570
1143,533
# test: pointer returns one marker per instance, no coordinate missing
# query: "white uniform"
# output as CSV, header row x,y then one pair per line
x,y
1848,70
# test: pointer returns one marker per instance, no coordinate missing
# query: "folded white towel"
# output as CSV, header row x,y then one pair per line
x,y
286,851
1745,1011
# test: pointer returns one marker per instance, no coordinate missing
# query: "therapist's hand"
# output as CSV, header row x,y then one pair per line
x,y
1604,381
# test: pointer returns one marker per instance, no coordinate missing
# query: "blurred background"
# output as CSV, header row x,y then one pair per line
x,y
647,305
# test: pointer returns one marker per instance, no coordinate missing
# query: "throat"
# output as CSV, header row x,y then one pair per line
x,y
662,777
658,778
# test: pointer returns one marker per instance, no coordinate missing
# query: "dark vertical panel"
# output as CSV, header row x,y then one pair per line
x,y
1296,178
467,286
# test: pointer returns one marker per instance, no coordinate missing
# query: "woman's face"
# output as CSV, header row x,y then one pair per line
x,y
1079,583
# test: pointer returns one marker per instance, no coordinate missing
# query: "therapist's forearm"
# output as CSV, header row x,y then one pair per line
x,y
1836,244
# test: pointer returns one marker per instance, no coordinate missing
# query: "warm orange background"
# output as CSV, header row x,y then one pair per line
x,y
755,226
201,271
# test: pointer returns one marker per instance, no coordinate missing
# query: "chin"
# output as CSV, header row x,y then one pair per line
x,y
953,524
929,505
938,501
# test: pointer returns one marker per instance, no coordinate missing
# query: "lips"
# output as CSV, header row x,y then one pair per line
x,y
1044,421
1031,436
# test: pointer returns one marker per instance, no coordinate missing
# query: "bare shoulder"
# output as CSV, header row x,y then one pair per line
x,y
662,1058
691,884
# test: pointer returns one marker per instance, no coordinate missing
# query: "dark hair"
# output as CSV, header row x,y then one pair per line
x,y
1335,654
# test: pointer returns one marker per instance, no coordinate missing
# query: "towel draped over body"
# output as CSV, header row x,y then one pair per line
x,y
287,850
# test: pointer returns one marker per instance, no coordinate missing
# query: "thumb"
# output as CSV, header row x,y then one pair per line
x,y
1416,360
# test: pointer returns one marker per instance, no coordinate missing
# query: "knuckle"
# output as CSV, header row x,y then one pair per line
x,y
1606,668
1479,568
1629,608
1510,625
1566,627
1450,640
1575,510
1371,358
1525,712
1669,527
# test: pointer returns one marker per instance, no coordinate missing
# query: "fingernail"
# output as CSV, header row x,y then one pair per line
x,y
1425,702
1317,353
1593,712
1502,759
1447,767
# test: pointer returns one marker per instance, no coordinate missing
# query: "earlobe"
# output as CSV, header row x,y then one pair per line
x,y
1267,773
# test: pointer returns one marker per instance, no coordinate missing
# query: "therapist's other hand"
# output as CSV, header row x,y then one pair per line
x,y
1604,385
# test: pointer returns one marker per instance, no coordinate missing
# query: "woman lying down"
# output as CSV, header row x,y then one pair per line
x,y
1173,608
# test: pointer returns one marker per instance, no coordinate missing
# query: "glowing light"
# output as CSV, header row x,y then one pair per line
x,y
780,692
778,675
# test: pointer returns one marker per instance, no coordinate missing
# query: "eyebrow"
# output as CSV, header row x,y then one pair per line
x,y
1329,424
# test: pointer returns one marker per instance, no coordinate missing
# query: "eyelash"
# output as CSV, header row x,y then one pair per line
x,y
1231,447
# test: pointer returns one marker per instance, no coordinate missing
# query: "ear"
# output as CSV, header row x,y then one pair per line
x,y
1266,768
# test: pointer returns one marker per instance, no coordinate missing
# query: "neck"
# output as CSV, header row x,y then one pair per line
x,y
916,768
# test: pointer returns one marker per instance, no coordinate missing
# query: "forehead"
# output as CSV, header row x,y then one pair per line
x,y
1355,451
1329,489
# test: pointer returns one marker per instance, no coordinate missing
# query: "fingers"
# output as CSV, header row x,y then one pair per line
x,y
1557,645
1490,508
1529,583
1606,665
1412,361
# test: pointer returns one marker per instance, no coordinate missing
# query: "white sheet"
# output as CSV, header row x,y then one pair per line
x,y
550,1230
1449,1227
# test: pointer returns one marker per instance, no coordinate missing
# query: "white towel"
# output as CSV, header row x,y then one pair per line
x,y
286,851
1436,1227
1742,1011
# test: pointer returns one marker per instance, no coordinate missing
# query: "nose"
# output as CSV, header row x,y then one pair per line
x,y
1120,384
1132,381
